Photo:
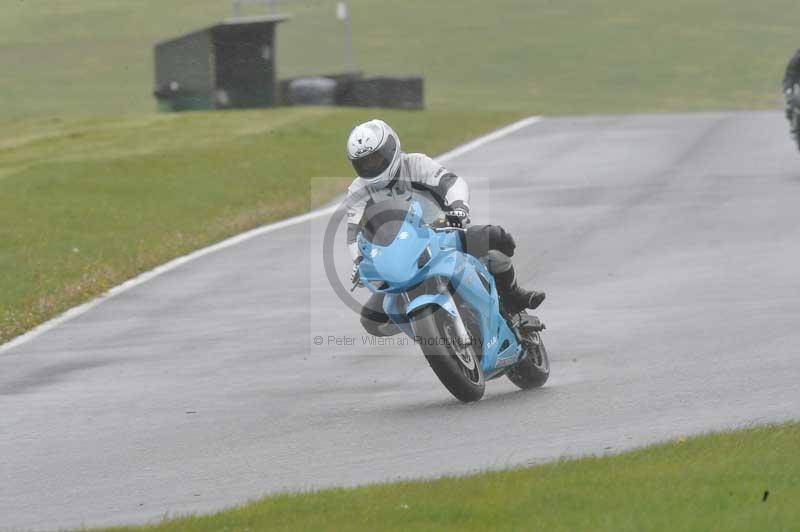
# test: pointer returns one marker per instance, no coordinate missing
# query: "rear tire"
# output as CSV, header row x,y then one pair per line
x,y
534,370
458,368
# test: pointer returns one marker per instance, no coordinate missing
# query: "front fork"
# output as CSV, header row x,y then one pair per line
x,y
461,329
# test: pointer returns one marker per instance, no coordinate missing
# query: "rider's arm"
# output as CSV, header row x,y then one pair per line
x,y
356,202
352,243
792,75
450,190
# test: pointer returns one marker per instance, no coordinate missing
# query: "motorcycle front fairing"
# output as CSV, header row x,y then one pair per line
x,y
395,267
475,287
418,255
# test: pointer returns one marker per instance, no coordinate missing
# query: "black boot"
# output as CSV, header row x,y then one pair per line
x,y
513,297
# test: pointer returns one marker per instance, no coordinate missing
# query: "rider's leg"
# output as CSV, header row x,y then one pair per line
x,y
374,320
494,246
513,296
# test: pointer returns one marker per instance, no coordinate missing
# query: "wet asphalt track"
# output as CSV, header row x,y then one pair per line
x,y
669,247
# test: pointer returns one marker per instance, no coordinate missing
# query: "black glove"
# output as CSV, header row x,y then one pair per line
x,y
458,217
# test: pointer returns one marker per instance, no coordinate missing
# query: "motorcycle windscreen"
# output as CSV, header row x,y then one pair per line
x,y
384,219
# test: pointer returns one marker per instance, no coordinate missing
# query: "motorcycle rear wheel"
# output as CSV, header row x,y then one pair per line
x,y
534,370
458,367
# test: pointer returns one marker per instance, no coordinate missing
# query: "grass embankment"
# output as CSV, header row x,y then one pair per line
x,y
715,482
533,56
89,204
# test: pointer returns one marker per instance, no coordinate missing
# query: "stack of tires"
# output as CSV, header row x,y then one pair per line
x,y
354,90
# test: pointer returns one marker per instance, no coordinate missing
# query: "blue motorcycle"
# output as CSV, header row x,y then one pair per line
x,y
447,302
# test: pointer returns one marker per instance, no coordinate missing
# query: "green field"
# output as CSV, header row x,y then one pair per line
x,y
95,187
710,483
73,57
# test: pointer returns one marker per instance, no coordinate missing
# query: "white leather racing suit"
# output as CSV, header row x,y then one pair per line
x,y
438,189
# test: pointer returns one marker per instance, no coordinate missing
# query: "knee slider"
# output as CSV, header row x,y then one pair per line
x,y
497,261
501,240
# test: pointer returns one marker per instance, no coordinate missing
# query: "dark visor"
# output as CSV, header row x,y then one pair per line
x,y
375,163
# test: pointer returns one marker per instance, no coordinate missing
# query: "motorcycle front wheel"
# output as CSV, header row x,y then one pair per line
x,y
457,366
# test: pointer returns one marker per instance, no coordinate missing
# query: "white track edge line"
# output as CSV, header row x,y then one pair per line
x,y
83,308
480,141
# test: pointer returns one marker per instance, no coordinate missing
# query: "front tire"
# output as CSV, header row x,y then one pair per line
x,y
458,367
533,370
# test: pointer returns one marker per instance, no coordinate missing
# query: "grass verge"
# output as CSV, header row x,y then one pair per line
x,y
714,482
536,56
87,204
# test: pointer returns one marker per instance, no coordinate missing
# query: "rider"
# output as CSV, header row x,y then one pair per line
x,y
386,172
790,79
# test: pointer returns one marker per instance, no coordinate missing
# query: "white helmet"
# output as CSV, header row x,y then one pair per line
x,y
374,149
